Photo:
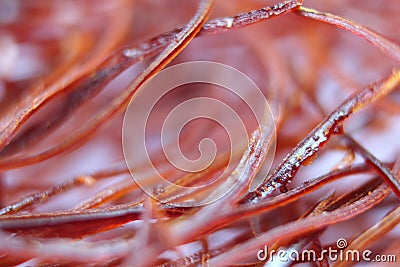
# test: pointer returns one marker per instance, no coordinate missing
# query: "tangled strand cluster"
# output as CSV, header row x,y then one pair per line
x,y
68,71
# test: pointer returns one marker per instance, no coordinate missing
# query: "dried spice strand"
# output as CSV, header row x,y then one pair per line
x,y
299,245
110,193
44,195
88,86
167,55
213,26
55,223
387,175
356,194
243,175
249,18
390,48
298,228
94,82
246,210
83,90
377,230
117,105
14,119
61,249
191,260
172,194
54,219
372,234
318,137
